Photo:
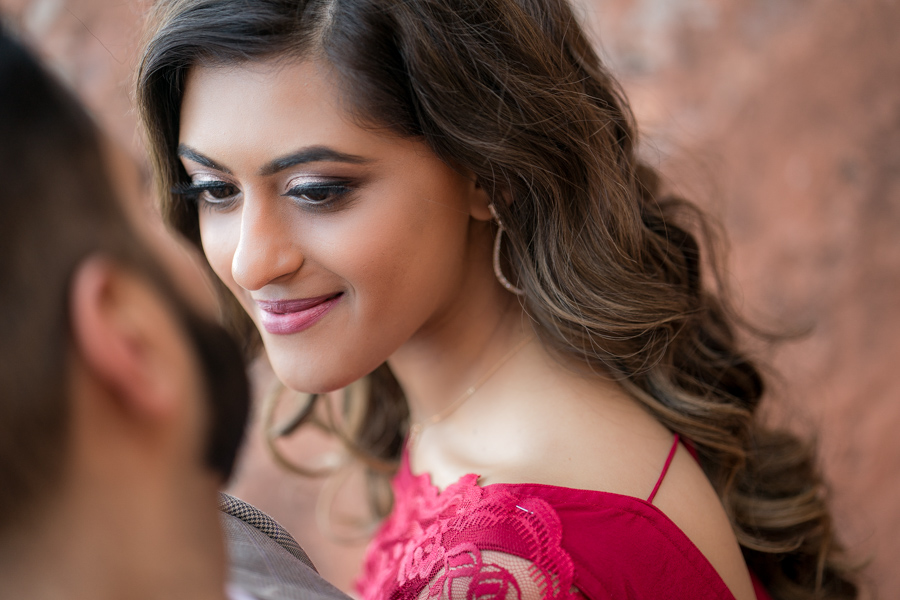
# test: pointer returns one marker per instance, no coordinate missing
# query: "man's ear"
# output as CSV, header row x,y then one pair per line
x,y
119,328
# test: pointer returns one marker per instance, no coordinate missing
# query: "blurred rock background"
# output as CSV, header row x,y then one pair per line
x,y
782,118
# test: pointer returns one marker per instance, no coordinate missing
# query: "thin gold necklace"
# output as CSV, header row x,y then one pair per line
x,y
415,429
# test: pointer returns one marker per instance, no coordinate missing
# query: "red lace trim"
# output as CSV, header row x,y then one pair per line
x,y
466,542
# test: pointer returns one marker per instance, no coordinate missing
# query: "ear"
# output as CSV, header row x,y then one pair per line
x,y
481,199
119,326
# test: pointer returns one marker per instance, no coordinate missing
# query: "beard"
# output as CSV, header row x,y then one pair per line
x,y
227,391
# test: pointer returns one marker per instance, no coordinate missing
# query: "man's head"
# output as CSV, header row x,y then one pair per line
x,y
96,344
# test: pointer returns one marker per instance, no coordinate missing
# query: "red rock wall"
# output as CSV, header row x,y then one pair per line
x,y
782,118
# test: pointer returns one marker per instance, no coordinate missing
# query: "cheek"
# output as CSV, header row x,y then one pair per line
x,y
403,264
219,237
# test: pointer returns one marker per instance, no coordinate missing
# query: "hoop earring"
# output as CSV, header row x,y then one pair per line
x,y
498,272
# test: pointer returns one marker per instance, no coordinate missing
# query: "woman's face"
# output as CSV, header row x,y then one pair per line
x,y
342,243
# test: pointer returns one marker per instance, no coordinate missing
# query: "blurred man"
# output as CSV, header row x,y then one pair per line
x,y
121,408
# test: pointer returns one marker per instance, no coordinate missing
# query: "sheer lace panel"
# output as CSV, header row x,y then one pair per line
x,y
491,574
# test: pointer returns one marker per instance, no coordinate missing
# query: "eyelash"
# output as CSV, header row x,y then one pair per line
x,y
203,194
335,193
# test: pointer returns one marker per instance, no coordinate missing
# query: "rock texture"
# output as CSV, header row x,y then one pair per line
x,y
782,118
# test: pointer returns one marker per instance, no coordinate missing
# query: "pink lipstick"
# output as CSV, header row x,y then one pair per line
x,y
283,317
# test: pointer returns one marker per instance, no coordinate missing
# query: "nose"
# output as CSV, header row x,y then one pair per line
x,y
266,251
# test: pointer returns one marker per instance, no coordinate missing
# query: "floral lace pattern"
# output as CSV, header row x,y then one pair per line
x,y
466,542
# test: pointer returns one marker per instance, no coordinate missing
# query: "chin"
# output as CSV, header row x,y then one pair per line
x,y
316,381
320,368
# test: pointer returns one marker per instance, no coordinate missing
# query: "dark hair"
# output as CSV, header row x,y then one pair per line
x,y
57,205
512,91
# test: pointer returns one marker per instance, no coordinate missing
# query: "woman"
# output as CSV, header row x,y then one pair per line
x,y
445,197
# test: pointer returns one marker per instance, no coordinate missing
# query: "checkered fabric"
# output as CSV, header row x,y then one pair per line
x,y
265,561
253,516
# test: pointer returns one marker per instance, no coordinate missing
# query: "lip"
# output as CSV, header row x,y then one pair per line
x,y
283,317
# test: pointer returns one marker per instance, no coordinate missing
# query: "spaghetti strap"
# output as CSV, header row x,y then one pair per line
x,y
665,469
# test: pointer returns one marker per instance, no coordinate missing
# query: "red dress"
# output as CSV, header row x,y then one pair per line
x,y
512,540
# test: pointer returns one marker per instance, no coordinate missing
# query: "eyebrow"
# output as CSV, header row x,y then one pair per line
x,y
189,153
307,155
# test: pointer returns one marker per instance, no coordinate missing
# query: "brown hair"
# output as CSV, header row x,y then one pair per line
x,y
512,91
58,206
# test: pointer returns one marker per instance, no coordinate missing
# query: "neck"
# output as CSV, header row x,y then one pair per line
x,y
437,366
99,543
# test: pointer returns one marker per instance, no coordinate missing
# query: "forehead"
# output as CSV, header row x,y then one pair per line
x,y
269,106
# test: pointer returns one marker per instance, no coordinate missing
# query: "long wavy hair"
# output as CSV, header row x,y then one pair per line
x,y
513,91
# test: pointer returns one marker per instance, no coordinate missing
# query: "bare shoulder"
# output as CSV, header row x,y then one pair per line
x,y
632,468
689,500
615,446
545,426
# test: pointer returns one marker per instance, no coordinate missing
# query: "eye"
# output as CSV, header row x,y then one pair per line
x,y
319,195
212,193
219,190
